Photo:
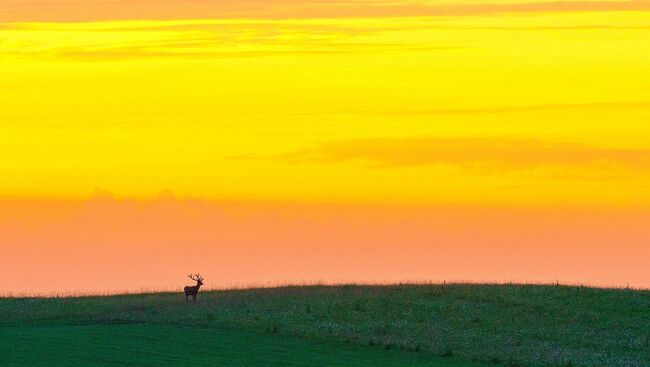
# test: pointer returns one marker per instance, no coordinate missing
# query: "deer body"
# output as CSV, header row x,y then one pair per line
x,y
193,290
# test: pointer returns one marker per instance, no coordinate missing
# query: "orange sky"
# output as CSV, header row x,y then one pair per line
x,y
362,140
107,245
94,10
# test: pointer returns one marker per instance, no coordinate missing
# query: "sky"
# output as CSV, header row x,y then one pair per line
x,y
291,141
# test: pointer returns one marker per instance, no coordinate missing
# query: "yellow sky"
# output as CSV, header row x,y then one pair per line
x,y
510,102
331,140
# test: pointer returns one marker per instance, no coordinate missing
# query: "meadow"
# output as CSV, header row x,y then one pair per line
x,y
348,325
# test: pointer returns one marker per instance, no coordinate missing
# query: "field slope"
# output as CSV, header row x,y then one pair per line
x,y
401,325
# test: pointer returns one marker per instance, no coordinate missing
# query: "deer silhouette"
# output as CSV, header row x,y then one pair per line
x,y
193,290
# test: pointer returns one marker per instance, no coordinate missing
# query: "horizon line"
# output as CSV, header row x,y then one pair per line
x,y
315,284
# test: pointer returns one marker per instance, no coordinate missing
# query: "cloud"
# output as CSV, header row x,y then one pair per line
x,y
514,109
182,51
467,111
197,39
94,10
286,27
499,154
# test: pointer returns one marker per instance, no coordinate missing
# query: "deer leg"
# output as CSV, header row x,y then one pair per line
x,y
194,297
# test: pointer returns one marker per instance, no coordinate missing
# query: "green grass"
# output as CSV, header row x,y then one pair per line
x,y
409,325
165,345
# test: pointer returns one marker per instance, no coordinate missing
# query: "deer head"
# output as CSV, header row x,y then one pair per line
x,y
196,277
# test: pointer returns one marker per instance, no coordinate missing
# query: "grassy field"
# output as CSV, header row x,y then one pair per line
x,y
401,325
165,345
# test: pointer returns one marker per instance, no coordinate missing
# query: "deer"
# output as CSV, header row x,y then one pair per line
x,y
193,290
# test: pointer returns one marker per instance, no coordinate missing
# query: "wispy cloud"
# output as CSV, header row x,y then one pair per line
x,y
523,108
491,110
275,28
194,39
500,154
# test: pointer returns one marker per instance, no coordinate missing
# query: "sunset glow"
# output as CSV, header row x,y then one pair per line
x,y
321,140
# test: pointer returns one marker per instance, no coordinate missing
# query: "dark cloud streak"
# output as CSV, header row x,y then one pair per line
x,y
493,154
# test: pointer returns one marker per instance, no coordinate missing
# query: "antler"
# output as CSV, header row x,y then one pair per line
x,y
195,276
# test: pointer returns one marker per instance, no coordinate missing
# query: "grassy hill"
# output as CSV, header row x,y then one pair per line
x,y
401,325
